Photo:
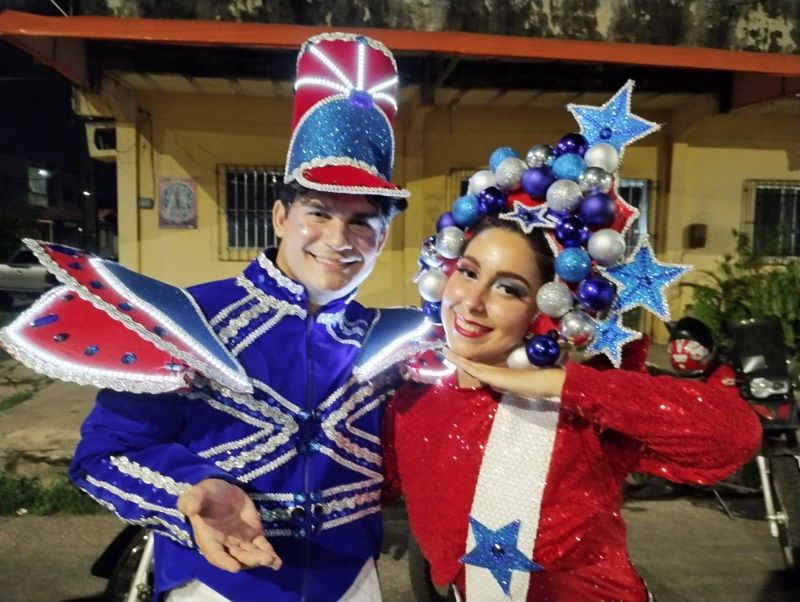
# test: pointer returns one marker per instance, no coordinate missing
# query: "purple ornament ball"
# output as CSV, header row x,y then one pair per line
x,y
596,293
597,210
445,220
432,311
491,201
536,181
542,350
572,143
572,232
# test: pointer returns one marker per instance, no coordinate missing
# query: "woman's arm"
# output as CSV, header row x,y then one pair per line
x,y
689,431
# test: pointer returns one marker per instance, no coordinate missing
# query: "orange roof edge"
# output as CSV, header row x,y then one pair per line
x,y
14,24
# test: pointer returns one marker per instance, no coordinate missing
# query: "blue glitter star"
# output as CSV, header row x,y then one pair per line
x,y
498,552
643,280
609,338
612,123
529,217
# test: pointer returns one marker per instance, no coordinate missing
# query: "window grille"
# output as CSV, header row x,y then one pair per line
x,y
247,194
771,217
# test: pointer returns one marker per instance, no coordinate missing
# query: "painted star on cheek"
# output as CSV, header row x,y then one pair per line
x,y
497,551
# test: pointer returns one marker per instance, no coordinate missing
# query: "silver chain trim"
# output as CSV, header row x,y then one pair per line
x,y
146,475
279,277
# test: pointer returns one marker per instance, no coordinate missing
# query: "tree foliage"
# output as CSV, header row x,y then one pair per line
x,y
747,285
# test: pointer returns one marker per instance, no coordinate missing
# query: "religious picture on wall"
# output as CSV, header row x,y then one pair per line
x,y
177,203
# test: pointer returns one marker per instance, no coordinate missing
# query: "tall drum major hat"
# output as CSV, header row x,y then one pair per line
x,y
342,139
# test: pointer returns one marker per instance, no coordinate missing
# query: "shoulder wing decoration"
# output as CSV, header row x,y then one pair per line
x,y
110,327
396,335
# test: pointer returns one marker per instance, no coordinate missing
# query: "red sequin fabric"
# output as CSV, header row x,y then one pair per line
x,y
610,423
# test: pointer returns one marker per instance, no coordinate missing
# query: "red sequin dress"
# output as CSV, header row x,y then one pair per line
x,y
438,443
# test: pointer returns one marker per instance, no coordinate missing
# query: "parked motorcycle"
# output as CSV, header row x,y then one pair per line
x,y
761,361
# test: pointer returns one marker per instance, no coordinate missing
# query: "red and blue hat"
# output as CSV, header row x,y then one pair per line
x,y
342,138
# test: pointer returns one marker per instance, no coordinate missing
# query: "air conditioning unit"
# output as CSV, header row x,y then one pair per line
x,y
101,138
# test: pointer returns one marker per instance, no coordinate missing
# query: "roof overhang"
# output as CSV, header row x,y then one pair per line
x,y
61,43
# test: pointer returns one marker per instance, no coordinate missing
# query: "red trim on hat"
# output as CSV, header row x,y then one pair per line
x,y
347,176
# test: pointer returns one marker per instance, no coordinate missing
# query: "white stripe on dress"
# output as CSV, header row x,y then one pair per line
x,y
510,485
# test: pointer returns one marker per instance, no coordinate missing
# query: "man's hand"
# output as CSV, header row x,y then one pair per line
x,y
227,527
546,382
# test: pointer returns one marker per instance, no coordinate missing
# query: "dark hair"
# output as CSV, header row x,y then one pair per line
x,y
387,207
545,261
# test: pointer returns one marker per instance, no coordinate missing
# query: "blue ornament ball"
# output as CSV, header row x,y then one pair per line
x,y
573,143
596,293
573,264
542,350
445,220
465,211
597,210
491,201
569,166
572,232
537,180
501,154
432,311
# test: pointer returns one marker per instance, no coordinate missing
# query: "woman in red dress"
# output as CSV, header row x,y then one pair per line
x,y
513,478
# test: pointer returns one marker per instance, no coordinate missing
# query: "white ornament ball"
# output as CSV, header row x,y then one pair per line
x,y
606,246
509,173
602,155
449,242
577,328
554,299
480,181
518,359
563,196
431,285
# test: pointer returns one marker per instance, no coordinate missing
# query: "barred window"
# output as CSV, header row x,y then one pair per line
x,y
772,217
247,194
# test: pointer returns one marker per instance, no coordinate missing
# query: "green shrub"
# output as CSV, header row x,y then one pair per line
x,y
35,497
746,285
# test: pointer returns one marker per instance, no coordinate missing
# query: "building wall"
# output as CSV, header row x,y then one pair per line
x,y
696,178
760,26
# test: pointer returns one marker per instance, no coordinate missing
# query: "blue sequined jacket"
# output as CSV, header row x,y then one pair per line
x,y
305,444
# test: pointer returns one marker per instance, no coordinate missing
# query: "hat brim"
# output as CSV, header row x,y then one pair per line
x,y
348,179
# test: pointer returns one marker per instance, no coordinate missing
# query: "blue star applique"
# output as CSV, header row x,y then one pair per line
x,y
612,123
498,552
643,280
529,217
609,338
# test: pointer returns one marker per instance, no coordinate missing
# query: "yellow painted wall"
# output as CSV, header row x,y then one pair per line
x,y
711,164
696,178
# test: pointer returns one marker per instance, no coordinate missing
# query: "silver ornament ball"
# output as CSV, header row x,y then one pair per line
x,y
606,247
577,328
518,359
509,173
563,195
595,177
480,181
428,254
431,285
449,242
602,155
538,155
554,299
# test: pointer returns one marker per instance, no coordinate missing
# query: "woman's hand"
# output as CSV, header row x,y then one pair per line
x,y
546,382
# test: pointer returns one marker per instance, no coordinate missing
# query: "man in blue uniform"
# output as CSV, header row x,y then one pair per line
x,y
284,481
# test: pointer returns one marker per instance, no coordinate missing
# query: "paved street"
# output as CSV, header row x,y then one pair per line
x,y
686,549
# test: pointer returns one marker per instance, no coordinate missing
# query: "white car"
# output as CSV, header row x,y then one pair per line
x,y
23,278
